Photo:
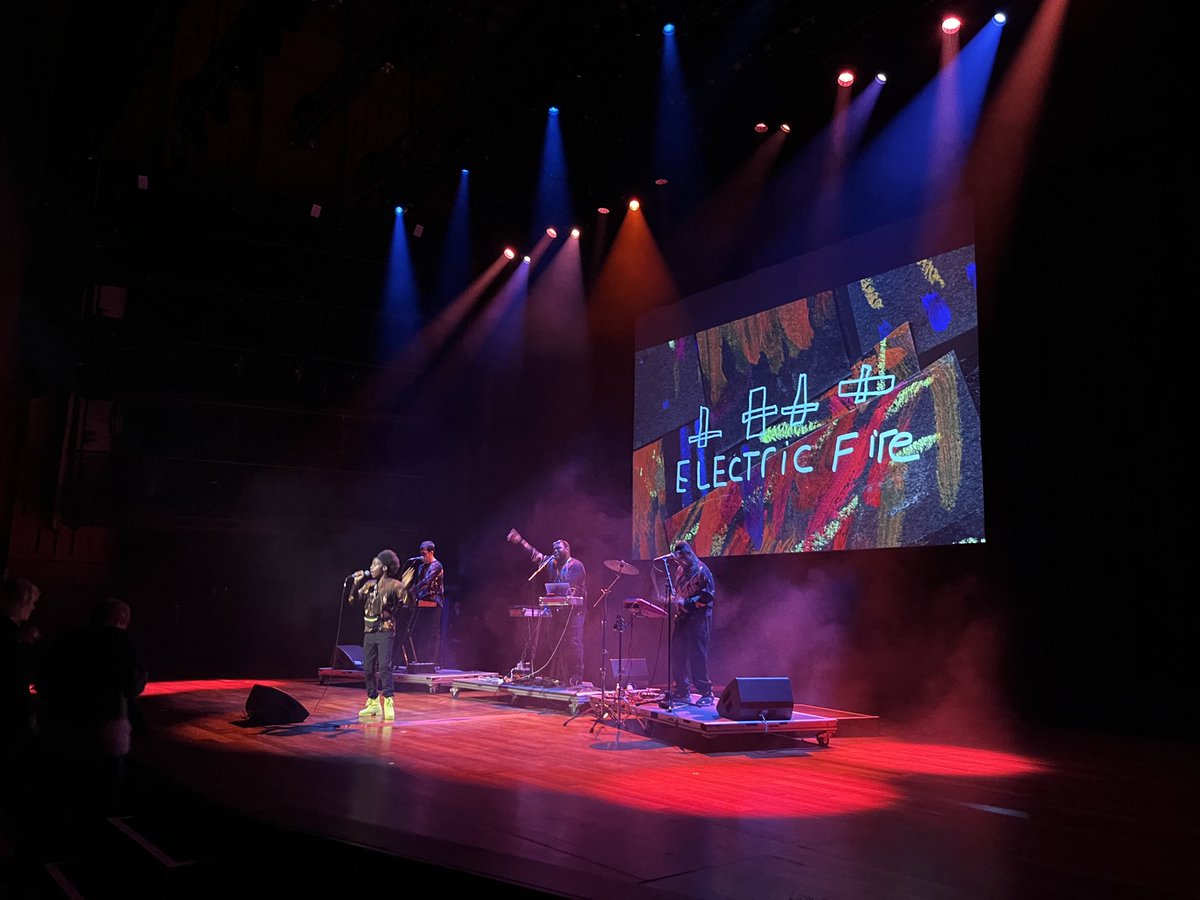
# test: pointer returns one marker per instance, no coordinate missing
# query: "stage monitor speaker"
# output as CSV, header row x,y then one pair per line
x,y
753,699
271,706
348,656
630,672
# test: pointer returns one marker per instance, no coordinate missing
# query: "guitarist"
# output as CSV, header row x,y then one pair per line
x,y
692,603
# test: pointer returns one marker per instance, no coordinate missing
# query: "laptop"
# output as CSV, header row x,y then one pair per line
x,y
557,589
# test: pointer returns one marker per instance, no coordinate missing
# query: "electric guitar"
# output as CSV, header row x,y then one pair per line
x,y
681,606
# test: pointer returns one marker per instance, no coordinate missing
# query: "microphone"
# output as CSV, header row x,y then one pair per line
x,y
415,558
361,573
545,562
665,556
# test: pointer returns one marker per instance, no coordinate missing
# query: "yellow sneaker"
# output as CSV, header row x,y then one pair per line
x,y
389,709
372,707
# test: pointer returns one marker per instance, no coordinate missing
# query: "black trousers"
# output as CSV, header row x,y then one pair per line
x,y
377,662
689,651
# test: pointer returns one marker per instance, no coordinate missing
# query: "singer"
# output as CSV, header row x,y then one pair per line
x,y
381,595
560,566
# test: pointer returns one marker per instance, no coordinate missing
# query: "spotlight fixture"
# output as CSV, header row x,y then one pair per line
x,y
846,78
315,211
634,204
554,110
881,78
399,210
603,210
999,18
466,172
552,231
785,128
510,253
668,29
951,24
660,181
526,260
575,233
761,127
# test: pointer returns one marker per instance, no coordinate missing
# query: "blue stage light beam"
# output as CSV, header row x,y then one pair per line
x,y
556,326
401,315
454,264
552,203
495,340
829,192
918,160
675,155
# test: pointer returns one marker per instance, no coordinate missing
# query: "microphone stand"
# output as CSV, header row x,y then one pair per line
x,y
347,590
668,700
545,562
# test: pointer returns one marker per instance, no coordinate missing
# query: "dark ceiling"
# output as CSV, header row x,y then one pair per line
x,y
357,105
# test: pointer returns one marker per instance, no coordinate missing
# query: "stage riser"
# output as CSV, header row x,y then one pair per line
x,y
434,682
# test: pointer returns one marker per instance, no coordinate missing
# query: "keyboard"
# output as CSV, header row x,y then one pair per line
x,y
560,601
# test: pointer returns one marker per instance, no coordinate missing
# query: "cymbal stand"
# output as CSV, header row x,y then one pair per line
x,y
604,709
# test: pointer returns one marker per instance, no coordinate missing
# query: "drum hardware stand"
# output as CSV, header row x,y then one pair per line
x,y
523,671
619,627
604,710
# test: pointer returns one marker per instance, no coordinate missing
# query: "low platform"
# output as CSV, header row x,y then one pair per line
x,y
706,721
440,680
849,724
575,699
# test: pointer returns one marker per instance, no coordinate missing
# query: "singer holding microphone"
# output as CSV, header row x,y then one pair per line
x,y
561,567
381,595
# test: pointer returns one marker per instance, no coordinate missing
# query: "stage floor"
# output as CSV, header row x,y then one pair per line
x,y
533,795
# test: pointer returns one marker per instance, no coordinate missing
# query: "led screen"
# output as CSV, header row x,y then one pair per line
x,y
846,418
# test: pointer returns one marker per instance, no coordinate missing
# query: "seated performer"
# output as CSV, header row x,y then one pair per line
x,y
429,594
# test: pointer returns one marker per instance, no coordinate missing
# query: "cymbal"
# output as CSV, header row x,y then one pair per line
x,y
619,565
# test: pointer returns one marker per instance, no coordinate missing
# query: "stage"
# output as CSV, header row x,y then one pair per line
x,y
528,794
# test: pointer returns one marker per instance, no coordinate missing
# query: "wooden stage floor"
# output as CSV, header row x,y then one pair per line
x,y
527,794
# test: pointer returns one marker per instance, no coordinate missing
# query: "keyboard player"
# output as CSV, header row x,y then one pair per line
x,y
566,619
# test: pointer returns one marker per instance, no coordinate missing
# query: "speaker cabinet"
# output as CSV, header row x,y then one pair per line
x,y
270,706
631,671
348,656
754,699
